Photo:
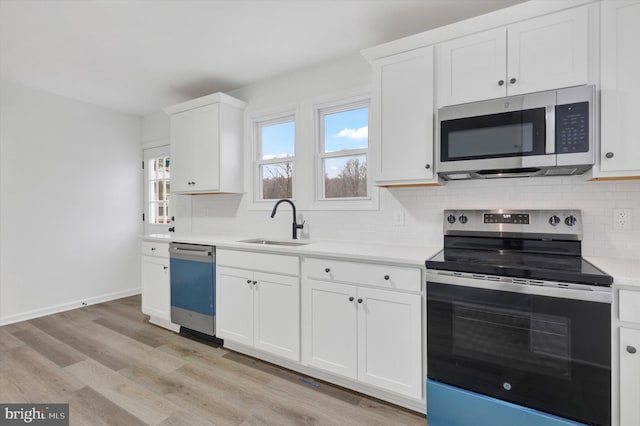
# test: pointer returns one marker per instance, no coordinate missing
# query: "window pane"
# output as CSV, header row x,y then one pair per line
x,y
159,190
276,181
278,140
345,177
346,130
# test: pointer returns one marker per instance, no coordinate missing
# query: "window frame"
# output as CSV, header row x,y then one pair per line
x,y
148,154
338,203
257,123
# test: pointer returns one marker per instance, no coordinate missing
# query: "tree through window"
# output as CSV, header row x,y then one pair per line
x,y
275,148
344,144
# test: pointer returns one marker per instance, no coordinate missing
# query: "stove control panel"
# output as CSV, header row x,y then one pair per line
x,y
517,223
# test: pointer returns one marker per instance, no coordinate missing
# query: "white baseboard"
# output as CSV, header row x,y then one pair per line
x,y
36,313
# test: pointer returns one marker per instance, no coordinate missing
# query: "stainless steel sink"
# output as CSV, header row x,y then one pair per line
x,y
275,242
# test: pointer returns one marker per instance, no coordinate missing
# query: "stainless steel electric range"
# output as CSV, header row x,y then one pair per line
x,y
518,323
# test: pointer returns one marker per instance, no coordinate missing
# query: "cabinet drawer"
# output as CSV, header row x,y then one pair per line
x,y
264,262
629,305
150,248
384,276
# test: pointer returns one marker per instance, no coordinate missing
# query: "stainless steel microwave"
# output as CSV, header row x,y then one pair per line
x,y
538,134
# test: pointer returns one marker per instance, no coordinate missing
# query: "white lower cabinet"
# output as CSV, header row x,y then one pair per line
x,y
368,334
629,376
258,309
155,286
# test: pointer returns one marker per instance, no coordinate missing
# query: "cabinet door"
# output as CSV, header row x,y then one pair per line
x,y
234,305
548,52
182,136
276,320
620,90
629,376
390,341
405,105
473,68
206,148
329,327
155,287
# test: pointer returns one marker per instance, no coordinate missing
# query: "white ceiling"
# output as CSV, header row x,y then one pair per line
x,y
138,56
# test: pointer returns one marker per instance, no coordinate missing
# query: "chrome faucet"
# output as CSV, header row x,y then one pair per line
x,y
295,226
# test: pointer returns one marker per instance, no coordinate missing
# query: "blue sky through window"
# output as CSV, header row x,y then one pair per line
x,y
346,130
278,140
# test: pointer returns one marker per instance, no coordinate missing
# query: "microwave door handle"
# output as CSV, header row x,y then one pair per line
x,y
550,140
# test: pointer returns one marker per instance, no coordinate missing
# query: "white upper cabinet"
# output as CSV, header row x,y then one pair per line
x,y
206,145
473,68
620,69
538,54
402,117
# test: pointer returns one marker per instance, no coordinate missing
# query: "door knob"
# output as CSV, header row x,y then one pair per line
x,y
248,281
359,300
500,82
609,155
631,349
427,166
351,299
512,81
327,270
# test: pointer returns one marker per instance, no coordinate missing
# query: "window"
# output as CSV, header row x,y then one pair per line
x,y
344,144
275,148
158,187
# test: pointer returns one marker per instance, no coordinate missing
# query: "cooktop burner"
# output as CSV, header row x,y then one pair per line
x,y
537,245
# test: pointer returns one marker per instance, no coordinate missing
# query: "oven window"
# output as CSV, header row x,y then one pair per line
x,y
509,134
537,343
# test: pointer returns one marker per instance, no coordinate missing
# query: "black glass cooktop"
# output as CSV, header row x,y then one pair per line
x,y
540,261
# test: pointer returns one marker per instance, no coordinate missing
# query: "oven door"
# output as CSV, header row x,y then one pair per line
x,y
543,348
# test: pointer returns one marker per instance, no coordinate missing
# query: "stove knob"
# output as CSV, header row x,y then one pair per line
x,y
463,219
451,219
570,220
554,220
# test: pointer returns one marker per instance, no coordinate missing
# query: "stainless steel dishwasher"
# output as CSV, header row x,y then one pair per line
x,y
193,287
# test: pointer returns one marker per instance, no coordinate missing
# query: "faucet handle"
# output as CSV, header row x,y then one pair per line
x,y
300,225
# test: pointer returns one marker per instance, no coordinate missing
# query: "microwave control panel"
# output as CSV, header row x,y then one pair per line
x,y
572,128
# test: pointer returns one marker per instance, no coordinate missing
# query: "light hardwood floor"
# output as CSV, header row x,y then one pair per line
x,y
114,368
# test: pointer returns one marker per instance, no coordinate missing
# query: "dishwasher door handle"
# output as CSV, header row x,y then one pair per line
x,y
191,252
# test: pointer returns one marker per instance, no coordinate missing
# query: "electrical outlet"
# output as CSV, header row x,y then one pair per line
x,y
622,219
398,217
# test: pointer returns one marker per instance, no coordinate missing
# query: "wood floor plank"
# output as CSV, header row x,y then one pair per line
x,y
49,347
91,346
8,340
89,407
139,334
137,400
35,377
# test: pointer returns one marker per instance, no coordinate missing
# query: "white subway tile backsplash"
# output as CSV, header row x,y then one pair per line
x,y
423,209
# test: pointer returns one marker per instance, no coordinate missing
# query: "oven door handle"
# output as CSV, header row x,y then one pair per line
x,y
576,292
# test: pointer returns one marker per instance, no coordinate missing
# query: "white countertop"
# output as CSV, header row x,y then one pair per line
x,y
623,271
373,252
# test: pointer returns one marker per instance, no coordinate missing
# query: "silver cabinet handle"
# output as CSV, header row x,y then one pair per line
x,y
202,253
631,349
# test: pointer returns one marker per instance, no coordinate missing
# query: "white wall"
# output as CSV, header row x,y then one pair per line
x,y
230,215
70,203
